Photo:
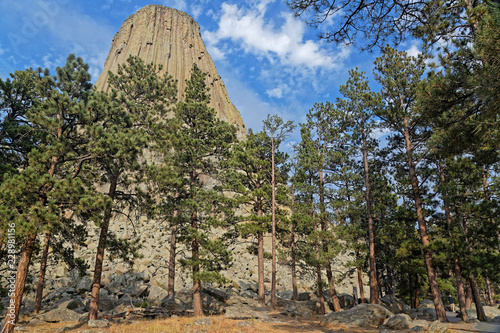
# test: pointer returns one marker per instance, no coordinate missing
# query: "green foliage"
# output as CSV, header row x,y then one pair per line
x,y
202,143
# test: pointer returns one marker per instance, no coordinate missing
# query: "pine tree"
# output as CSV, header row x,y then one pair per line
x,y
121,133
400,76
202,143
277,130
359,105
37,198
248,173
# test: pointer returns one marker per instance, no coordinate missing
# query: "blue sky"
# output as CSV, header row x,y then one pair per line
x,y
269,61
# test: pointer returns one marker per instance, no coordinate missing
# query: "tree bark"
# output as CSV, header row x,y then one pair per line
x,y
99,258
474,289
295,295
273,202
360,279
195,248
171,259
41,276
260,258
260,268
422,225
321,296
490,292
468,297
374,285
456,262
21,275
481,316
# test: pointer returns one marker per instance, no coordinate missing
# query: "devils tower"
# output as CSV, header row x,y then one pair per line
x,y
168,37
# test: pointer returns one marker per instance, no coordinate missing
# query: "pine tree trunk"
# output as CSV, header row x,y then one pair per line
x,y
474,289
21,275
171,260
360,279
260,267
41,276
481,316
295,295
462,302
273,201
422,225
333,290
260,260
374,285
468,297
195,248
490,292
99,258
456,263
322,309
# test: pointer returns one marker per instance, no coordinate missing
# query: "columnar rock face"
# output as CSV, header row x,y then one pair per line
x,y
166,36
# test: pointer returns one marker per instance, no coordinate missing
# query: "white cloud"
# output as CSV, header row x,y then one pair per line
x,y
279,91
249,28
276,92
413,51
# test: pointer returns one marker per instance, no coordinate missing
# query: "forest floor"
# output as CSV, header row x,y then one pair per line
x,y
221,324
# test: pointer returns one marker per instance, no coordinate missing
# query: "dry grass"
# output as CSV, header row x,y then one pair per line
x,y
219,324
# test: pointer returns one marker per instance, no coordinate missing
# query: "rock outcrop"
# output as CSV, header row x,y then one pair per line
x,y
166,36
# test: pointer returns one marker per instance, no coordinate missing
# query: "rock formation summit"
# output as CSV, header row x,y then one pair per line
x,y
166,36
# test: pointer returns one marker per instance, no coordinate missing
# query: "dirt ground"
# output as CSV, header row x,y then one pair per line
x,y
220,324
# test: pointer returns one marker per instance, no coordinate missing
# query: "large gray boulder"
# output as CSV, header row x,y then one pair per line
x,y
392,304
426,303
244,308
346,301
363,315
156,295
84,284
299,308
438,327
60,315
398,322
491,311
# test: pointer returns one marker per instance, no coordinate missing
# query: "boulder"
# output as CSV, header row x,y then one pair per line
x,y
346,301
71,304
491,311
106,301
84,285
98,323
172,303
218,294
363,315
306,296
244,308
426,303
398,322
114,287
392,304
299,308
60,315
437,327
156,295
